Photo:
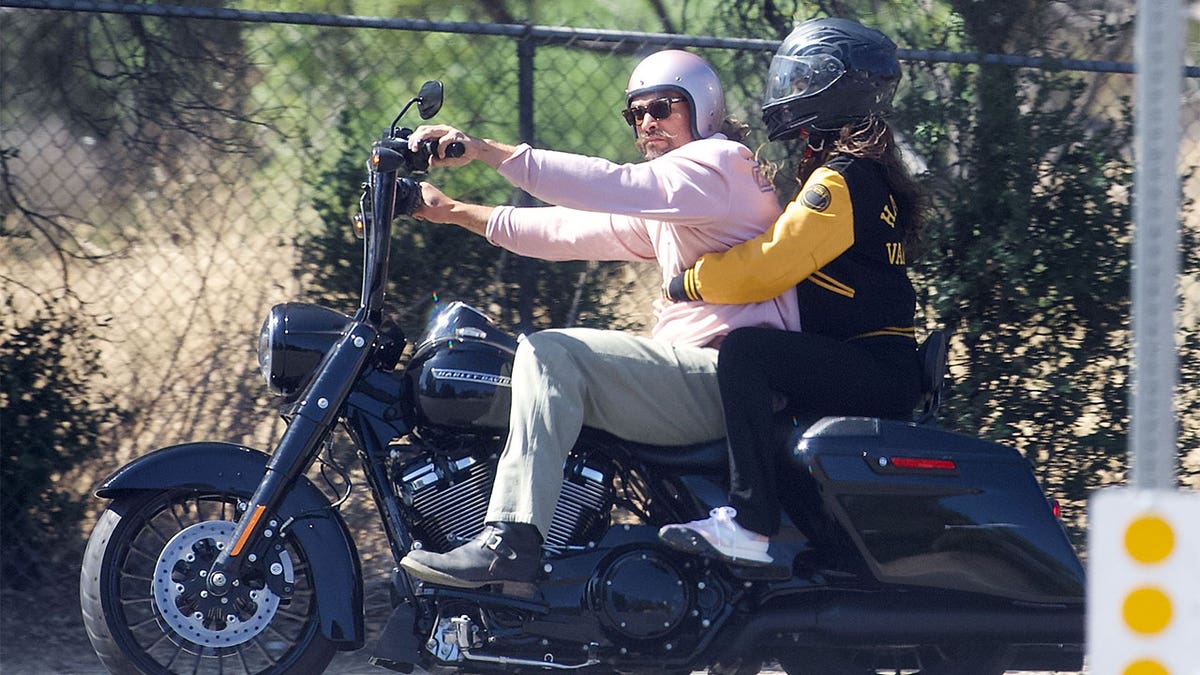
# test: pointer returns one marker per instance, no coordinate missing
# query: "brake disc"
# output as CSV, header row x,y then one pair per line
x,y
184,602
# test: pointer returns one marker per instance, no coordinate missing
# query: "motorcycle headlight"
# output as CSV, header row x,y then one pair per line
x,y
293,340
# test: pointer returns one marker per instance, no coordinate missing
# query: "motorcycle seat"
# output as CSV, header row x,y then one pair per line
x,y
712,455
707,455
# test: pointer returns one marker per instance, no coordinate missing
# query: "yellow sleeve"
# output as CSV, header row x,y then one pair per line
x,y
815,228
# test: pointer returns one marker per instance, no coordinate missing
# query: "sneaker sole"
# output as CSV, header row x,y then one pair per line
x,y
690,542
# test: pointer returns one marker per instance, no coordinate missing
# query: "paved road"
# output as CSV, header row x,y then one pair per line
x,y
65,651
346,663
354,663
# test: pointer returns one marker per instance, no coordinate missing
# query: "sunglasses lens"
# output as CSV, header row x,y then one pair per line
x,y
659,109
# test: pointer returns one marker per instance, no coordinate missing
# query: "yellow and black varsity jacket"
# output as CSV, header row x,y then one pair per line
x,y
840,243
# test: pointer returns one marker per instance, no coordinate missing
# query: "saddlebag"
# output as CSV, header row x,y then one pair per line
x,y
932,508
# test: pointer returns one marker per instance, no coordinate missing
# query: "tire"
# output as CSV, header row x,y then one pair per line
x,y
963,659
140,570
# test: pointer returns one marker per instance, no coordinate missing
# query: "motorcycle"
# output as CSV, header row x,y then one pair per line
x,y
905,547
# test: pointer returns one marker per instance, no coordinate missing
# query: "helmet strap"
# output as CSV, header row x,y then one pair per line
x,y
816,141
815,152
808,148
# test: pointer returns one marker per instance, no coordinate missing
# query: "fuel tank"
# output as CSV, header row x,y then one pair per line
x,y
461,369
929,507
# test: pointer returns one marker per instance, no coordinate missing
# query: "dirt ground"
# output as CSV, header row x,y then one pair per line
x,y
41,633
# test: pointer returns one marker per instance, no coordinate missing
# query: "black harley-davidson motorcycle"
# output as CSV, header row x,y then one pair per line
x,y
906,548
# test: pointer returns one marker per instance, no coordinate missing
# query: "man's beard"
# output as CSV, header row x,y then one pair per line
x,y
656,151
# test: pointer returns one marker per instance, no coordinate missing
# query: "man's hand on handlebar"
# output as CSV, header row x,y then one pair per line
x,y
438,208
485,150
435,206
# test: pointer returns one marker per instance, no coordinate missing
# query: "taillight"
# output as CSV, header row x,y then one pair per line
x,y
938,466
924,464
1055,507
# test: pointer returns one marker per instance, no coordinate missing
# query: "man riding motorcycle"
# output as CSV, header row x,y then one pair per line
x,y
697,192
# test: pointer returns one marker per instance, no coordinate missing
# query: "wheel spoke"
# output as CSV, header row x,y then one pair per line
x,y
153,528
173,513
295,616
173,650
143,578
204,507
198,508
241,656
151,621
274,629
137,601
262,648
146,552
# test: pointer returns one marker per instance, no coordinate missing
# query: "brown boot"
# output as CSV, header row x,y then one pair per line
x,y
502,552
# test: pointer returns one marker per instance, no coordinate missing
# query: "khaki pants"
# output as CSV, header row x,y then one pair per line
x,y
632,387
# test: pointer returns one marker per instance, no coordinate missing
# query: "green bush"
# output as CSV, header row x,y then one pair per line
x,y
50,419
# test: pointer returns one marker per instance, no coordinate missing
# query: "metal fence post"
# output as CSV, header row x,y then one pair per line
x,y
527,269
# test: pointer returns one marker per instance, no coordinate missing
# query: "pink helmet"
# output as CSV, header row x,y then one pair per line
x,y
689,74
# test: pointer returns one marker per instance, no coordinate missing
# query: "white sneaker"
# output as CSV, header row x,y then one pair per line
x,y
719,536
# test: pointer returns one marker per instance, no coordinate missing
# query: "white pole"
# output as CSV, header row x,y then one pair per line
x,y
1158,83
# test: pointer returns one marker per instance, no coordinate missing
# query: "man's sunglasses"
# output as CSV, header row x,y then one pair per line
x,y
659,108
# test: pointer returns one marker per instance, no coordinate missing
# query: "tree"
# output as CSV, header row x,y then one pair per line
x,y
156,96
1032,266
162,102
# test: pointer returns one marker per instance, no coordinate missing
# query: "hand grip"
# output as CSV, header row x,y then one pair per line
x,y
430,149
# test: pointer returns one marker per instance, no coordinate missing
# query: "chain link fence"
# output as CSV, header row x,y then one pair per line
x,y
158,200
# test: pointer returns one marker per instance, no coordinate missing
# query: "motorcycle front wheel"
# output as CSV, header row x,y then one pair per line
x,y
145,610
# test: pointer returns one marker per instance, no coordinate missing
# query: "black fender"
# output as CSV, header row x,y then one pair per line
x,y
337,578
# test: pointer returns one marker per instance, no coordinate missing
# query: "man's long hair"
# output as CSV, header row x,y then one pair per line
x,y
735,129
872,139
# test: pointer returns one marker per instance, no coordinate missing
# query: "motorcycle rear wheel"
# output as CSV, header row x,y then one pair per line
x,y
963,659
137,623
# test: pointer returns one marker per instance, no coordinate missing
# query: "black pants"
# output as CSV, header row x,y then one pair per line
x,y
820,376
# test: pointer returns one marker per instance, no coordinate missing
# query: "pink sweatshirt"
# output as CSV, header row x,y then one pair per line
x,y
704,196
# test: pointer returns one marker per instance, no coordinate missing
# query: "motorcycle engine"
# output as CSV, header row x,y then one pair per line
x,y
449,491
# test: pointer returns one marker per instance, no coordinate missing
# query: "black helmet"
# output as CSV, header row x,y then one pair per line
x,y
826,74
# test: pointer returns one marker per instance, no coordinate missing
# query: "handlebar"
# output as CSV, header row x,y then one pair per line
x,y
430,149
418,160
392,189
403,163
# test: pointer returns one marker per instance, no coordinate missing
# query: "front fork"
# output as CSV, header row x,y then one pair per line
x,y
315,418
